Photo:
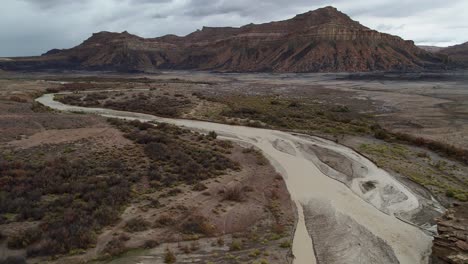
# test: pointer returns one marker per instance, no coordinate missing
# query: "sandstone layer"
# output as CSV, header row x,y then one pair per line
x,y
324,40
451,244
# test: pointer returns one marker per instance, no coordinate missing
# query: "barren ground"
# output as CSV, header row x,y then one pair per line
x,y
256,225
332,106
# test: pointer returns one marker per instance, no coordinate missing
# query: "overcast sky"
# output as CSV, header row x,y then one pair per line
x,y
31,27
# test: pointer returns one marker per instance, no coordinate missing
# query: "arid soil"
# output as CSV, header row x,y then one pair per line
x,y
343,109
324,105
244,214
377,209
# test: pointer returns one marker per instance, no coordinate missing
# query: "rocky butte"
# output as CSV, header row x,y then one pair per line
x,y
324,40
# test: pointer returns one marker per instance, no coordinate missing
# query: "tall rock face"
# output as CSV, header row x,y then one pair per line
x,y
450,246
324,40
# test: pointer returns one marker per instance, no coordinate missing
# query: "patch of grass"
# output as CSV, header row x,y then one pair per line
x,y
236,245
433,175
445,149
304,115
255,253
285,244
169,257
388,150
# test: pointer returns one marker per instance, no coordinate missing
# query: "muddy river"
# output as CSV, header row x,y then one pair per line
x,y
349,210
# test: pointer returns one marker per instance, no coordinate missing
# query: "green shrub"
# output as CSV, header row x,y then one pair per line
x,y
212,135
169,257
461,197
137,225
285,244
236,245
197,224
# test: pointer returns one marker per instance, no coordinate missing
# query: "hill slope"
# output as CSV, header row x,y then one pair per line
x,y
457,54
324,40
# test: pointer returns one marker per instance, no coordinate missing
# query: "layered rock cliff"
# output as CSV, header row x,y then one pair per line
x,y
451,244
324,40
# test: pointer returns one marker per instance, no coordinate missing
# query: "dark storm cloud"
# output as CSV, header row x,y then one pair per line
x,y
31,27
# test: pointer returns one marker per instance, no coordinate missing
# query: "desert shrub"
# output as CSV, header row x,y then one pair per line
x,y
13,260
150,244
285,244
24,238
369,185
165,220
141,125
82,205
448,150
461,197
52,90
244,112
40,108
137,224
199,187
95,96
235,245
18,99
78,86
381,134
212,135
158,151
340,109
154,173
115,247
169,257
105,215
233,193
294,104
176,159
157,105
197,224
225,144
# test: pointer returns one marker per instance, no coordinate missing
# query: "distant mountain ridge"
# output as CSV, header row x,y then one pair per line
x,y
433,49
324,40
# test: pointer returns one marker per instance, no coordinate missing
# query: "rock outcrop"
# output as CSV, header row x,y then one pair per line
x,y
457,54
324,40
451,244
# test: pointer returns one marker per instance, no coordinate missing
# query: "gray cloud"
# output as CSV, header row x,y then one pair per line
x,y
53,4
31,27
